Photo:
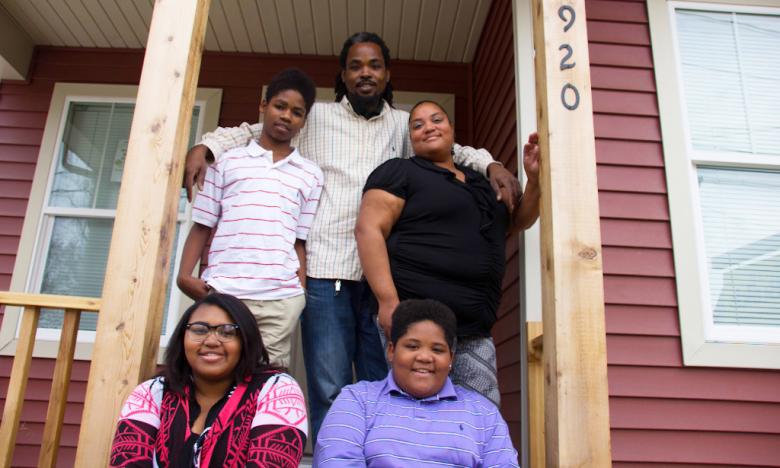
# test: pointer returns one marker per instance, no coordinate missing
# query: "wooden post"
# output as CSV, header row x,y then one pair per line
x,y
128,328
576,395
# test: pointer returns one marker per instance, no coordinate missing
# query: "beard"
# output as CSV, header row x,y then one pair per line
x,y
366,106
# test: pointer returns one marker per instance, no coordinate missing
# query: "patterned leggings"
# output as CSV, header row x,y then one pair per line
x,y
474,366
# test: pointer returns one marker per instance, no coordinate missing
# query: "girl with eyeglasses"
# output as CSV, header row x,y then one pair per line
x,y
217,403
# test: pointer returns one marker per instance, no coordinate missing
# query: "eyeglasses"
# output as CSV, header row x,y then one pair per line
x,y
199,331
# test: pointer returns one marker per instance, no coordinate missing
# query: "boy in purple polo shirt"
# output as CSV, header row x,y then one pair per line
x,y
416,416
261,199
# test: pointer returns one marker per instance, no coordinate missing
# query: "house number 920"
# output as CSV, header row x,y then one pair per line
x,y
570,96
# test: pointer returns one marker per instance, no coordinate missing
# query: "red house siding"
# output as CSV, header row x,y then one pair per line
x,y
23,108
495,129
661,413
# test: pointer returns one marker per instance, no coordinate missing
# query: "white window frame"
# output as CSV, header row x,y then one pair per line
x,y
703,342
39,218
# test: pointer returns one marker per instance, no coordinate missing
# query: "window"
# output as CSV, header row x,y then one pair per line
x,y
716,67
69,221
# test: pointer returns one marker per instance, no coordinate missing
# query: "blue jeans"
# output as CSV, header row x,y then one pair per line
x,y
338,332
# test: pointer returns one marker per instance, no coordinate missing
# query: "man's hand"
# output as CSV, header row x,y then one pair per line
x,y
195,167
505,184
193,287
531,159
386,309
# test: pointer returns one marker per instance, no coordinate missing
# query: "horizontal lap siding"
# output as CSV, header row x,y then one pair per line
x,y
23,108
495,129
21,127
662,413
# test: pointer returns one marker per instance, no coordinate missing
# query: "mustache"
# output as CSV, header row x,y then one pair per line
x,y
366,81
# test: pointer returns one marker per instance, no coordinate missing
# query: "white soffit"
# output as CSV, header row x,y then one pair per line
x,y
426,30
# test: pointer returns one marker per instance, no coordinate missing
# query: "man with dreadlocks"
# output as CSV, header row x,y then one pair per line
x,y
348,139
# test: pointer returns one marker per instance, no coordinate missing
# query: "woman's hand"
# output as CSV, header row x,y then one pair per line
x,y
386,309
195,167
531,159
528,212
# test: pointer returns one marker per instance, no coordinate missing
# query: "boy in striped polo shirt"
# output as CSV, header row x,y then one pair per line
x,y
261,198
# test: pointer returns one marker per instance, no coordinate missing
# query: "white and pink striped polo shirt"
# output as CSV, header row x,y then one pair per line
x,y
260,208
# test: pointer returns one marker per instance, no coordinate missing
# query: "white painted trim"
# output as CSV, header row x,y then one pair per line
x,y
96,213
735,160
703,344
530,267
38,222
525,84
729,6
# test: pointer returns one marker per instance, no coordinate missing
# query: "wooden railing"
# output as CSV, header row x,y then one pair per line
x,y
32,303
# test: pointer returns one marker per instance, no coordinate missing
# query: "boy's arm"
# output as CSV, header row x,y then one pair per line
x,y
211,147
193,286
300,250
206,212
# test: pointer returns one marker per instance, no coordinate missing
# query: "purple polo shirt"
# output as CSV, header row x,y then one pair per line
x,y
376,424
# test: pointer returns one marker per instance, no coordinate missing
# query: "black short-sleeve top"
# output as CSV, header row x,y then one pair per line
x,y
448,242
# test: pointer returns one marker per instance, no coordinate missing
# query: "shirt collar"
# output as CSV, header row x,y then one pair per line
x,y
254,150
429,165
348,106
447,392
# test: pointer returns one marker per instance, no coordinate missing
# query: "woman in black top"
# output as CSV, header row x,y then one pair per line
x,y
428,228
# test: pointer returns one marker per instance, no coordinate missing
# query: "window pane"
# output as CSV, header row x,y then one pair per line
x,y
730,64
88,175
759,46
741,219
76,264
92,155
81,155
